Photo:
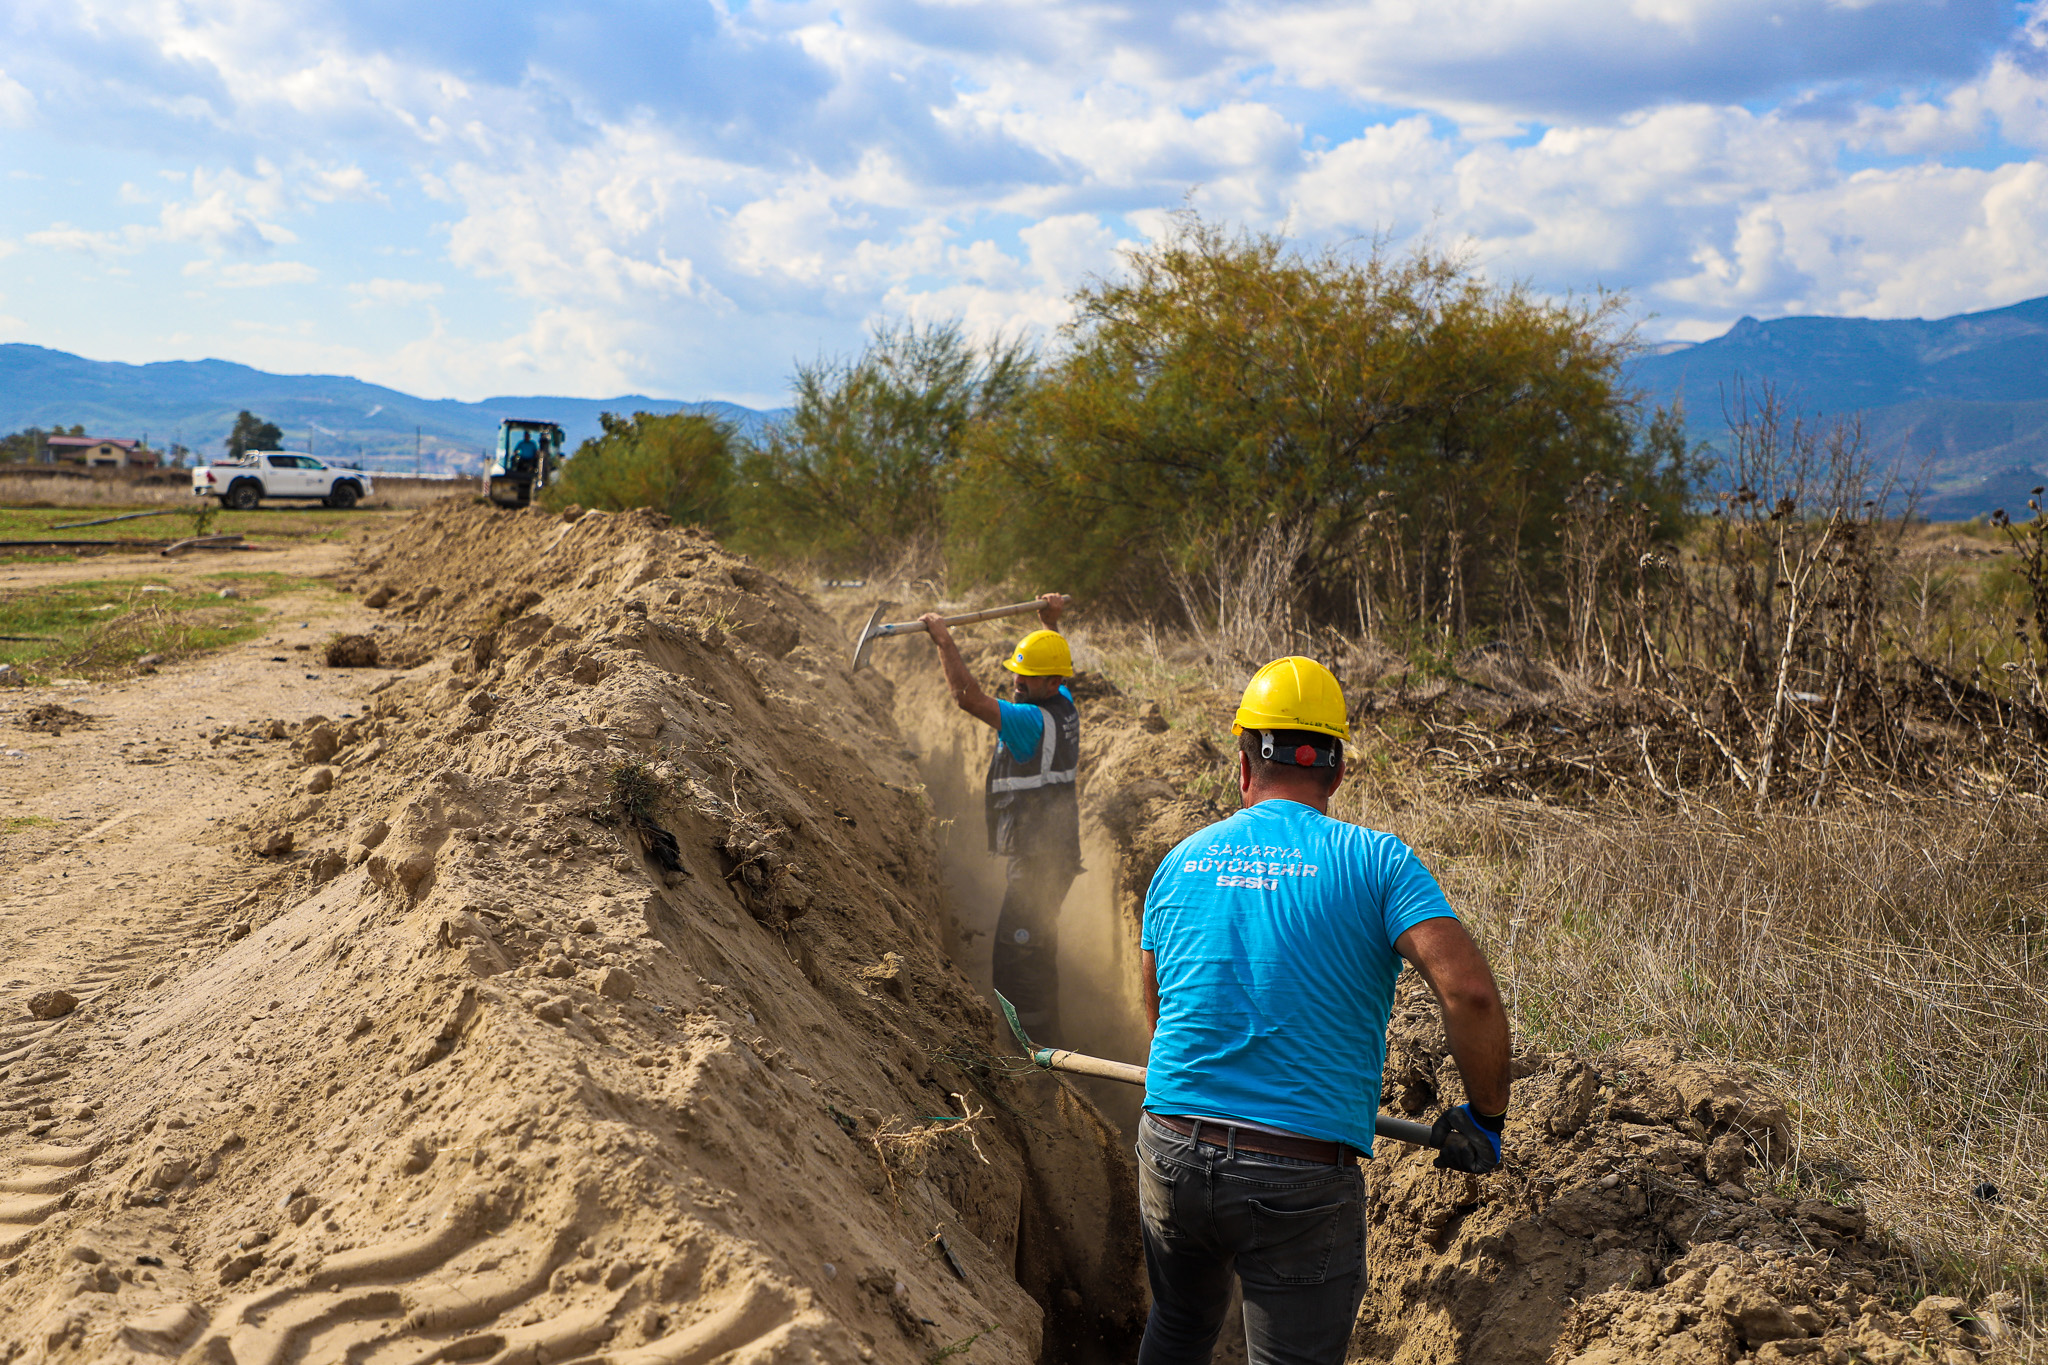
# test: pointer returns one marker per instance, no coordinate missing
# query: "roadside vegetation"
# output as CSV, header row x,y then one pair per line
x,y
99,629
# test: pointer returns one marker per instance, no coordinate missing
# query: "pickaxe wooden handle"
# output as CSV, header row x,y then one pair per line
x,y
874,631
1081,1064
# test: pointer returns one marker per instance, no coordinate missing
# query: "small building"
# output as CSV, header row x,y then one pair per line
x,y
100,452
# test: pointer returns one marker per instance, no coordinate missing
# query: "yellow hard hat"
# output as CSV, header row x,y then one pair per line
x,y
1041,654
1293,694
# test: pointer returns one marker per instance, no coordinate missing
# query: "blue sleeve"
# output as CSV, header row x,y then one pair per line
x,y
1412,894
1019,728
1148,941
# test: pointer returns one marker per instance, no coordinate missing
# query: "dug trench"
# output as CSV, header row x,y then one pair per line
x,y
594,996
1649,1209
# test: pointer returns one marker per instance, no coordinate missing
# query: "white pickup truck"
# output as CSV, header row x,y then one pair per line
x,y
242,483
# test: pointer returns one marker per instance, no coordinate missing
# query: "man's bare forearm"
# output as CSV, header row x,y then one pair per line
x,y
1477,1027
967,693
1475,1021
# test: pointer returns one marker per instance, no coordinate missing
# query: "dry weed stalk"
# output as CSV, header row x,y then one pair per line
x,y
1242,603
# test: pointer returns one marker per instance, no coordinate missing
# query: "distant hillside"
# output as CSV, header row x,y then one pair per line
x,y
195,402
1967,394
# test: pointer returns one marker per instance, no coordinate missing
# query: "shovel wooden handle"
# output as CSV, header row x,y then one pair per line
x,y
1081,1064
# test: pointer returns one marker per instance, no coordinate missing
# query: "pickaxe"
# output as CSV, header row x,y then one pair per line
x,y
874,631
1081,1064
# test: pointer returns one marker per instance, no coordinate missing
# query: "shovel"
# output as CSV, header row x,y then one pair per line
x,y
874,631
1080,1064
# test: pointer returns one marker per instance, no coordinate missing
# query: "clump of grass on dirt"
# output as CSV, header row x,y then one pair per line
x,y
100,628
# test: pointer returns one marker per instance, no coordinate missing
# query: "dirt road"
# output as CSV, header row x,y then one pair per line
x,y
118,837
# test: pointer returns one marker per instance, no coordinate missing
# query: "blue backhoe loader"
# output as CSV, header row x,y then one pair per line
x,y
528,456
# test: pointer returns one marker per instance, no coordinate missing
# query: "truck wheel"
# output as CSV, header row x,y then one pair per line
x,y
343,495
243,495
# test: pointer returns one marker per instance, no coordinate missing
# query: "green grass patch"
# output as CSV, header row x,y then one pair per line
x,y
15,824
293,521
100,628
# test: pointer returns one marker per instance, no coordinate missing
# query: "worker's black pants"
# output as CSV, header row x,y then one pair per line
x,y
1027,949
1292,1231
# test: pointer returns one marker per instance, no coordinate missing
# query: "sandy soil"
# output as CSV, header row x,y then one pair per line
x,y
573,993
136,796
600,985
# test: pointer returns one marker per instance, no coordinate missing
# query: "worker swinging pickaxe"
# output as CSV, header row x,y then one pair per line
x,y
874,630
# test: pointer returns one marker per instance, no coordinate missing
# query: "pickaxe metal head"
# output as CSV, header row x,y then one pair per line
x,y
866,639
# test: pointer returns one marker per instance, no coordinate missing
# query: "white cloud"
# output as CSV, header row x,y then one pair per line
x,y
1491,63
17,105
264,274
693,195
995,293
98,244
395,291
328,185
1921,242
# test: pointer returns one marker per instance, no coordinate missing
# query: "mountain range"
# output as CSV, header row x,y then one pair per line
x,y
1960,403
194,403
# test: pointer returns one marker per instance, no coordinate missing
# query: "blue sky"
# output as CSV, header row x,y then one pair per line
x,y
463,199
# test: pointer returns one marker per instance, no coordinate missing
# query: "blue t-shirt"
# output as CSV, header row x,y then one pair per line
x,y
1021,725
1274,937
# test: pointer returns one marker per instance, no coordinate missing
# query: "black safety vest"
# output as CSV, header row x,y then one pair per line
x,y
1033,809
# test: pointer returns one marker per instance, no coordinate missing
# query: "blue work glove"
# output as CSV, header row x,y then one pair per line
x,y
1466,1140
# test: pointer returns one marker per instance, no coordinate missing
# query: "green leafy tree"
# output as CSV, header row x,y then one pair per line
x,y
24,446
252,433
1377,433
860,471
680,463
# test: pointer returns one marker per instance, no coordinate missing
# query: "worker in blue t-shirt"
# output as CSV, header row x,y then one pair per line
x,y
1034,813
1270,947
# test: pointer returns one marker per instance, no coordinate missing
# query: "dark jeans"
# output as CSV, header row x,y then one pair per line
x,y
1027,948
1292,1231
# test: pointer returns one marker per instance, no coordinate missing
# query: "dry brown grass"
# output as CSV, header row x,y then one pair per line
x,y
1884,966
56,490
1881,962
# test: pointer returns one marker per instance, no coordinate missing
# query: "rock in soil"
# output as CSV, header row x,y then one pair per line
x,y
52,1004
352,651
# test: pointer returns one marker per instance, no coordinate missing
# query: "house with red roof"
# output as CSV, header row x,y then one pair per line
x,y
100,452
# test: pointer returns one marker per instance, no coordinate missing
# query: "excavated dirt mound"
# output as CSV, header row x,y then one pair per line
x,y
1634,1219
592,1009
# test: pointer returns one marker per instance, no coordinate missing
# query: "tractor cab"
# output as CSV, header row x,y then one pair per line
x,y
528,455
